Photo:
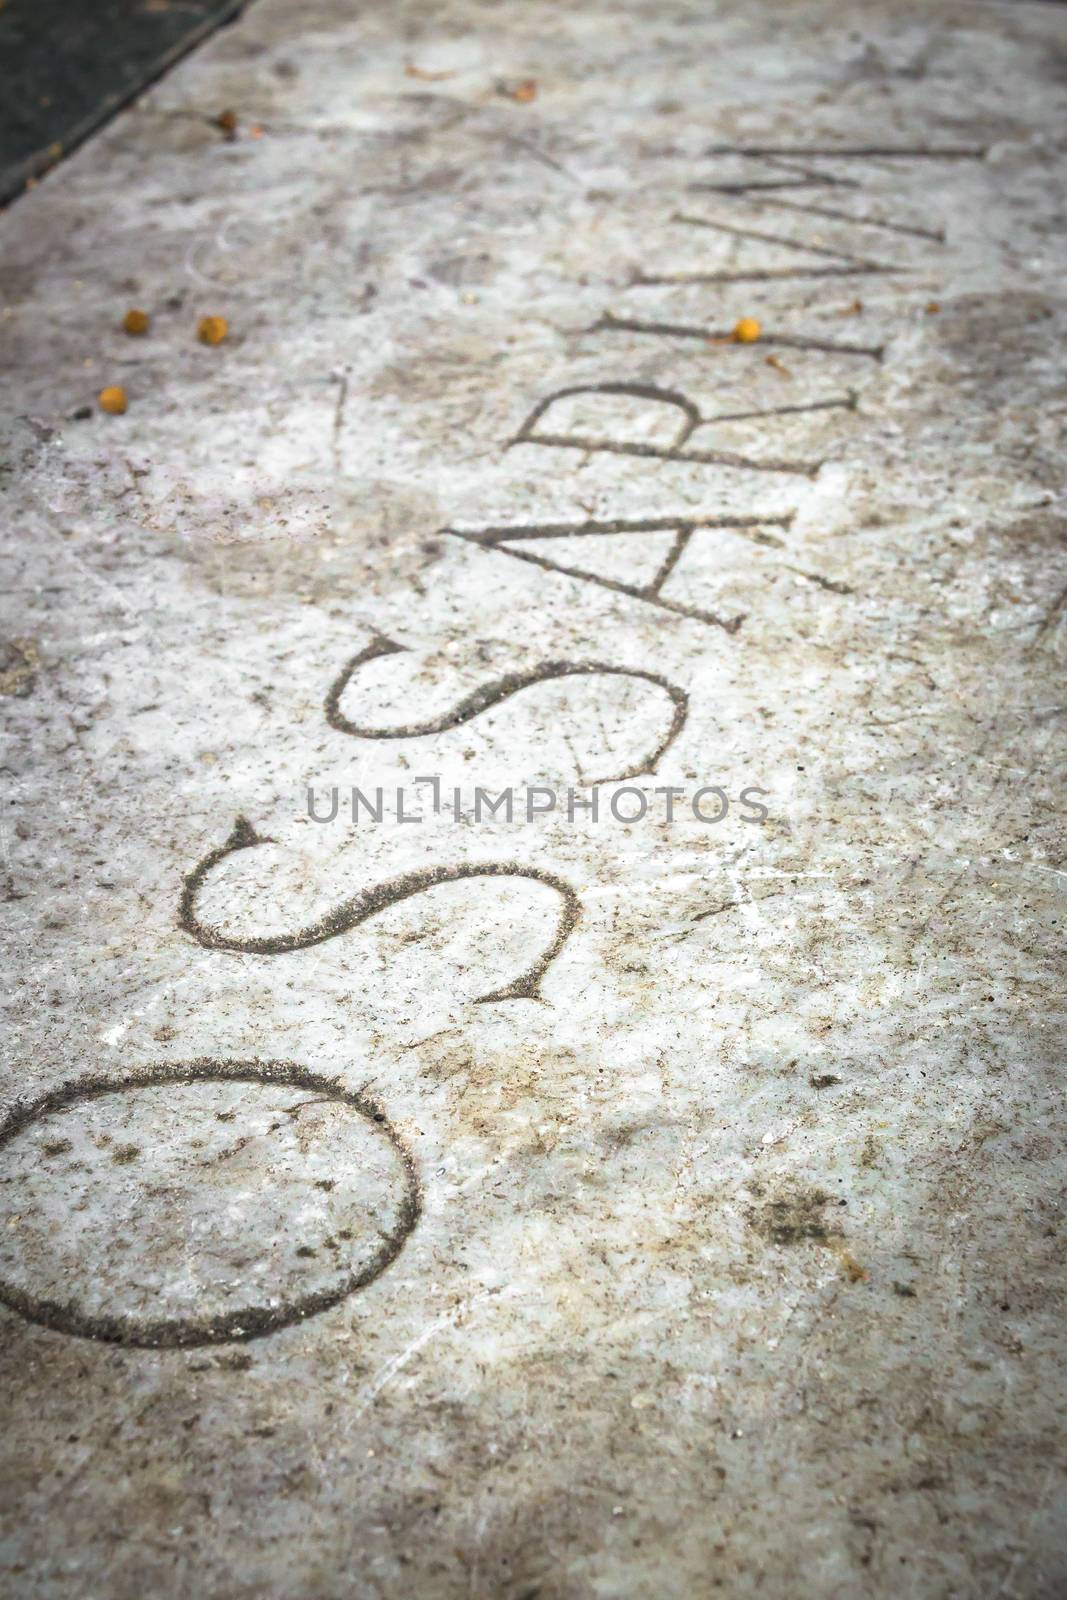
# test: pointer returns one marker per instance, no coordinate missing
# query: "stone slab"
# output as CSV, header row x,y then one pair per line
x,y
545,1207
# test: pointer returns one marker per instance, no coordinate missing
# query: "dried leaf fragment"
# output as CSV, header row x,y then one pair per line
x,y
524,91
412,71
851,1267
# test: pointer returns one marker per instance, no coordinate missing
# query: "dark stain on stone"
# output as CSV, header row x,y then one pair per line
x,y
792,1217
18,664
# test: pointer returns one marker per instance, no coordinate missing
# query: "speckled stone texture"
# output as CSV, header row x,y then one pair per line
x,y
544,1208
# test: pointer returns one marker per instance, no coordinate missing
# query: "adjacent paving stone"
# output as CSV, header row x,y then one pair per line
x,y
544,1204
68,67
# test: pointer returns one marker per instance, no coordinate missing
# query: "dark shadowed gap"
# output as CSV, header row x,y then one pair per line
x,y
67,66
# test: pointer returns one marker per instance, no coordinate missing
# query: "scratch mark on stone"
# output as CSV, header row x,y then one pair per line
x,y
401,1359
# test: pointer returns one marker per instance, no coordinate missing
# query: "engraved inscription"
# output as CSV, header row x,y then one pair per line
x,y
832,214
690,419
854,152
493,693
610,323
350,913
197,1202
842,263
503,539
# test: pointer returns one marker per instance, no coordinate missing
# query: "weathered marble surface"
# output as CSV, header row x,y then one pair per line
x,y
733,1266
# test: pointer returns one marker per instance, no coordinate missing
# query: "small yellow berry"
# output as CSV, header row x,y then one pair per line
x,y
747,331
212,330
135,322
112,400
